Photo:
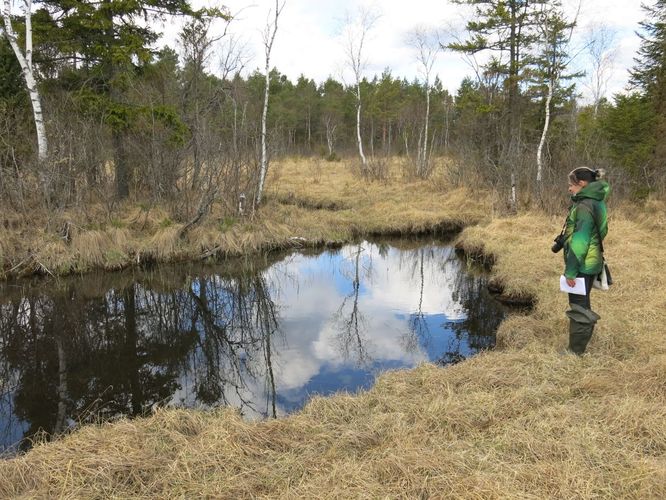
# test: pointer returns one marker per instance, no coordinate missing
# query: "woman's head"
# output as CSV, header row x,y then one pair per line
x,y
582,176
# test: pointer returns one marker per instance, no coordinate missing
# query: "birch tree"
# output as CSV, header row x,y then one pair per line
x,y
25,60
269,38
332,116
354,38
426,46
553,60
602,52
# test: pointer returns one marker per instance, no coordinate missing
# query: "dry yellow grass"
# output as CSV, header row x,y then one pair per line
x,y
635,251
518,422
134,234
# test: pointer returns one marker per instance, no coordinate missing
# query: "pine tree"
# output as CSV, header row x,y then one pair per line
x,y
629,127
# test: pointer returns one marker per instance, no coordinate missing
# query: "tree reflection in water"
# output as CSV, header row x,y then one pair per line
x,y
475,331
419,332
482,314
66,359
350,324
99,347
235,321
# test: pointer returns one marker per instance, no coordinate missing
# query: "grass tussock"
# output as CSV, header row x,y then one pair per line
x,y
519,422
164,245
92,247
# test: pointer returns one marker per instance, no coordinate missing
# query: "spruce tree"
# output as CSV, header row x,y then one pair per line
x,y
102,45
649,77
649,73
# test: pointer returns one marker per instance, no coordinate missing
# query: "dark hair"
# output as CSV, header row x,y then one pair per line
x,y
586,174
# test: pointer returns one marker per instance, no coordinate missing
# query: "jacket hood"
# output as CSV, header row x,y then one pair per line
x,y
597,190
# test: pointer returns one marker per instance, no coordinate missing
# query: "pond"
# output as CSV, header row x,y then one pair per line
x,y
262,335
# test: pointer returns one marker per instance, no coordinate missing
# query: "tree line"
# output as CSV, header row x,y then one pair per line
x,y
120,119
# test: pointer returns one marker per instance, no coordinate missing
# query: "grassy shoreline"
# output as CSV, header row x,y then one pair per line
x,y
291,217
521,421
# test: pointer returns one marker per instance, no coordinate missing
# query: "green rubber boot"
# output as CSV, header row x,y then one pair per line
x,y
581,326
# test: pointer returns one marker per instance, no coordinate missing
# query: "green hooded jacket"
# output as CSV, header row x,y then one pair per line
x,y
587,226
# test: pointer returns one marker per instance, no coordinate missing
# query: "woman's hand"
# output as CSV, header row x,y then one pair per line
x,y
571,283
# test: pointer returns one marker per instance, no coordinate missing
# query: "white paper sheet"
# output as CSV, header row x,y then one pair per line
x,y
579,289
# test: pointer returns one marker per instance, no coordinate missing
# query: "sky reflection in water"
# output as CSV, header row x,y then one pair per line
x,y
262,338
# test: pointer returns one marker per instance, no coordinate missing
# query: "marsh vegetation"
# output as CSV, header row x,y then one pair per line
x,y
154,159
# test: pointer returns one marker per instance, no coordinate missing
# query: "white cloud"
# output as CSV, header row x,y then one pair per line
x,y
312,339
308,40
313,330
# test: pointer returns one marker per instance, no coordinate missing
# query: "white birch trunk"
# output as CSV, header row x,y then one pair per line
x,y
330,135
26,67
424,157
546,123
264,147
268,45
513,199
27,12
358,124
356,32
426,45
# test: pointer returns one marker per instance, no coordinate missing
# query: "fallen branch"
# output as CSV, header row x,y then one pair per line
x,y
42,266
204,207
19,264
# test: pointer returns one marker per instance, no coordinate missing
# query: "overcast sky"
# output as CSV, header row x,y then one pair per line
x,y
309,39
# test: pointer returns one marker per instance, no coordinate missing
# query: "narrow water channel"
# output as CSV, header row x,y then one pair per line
x,y
262,335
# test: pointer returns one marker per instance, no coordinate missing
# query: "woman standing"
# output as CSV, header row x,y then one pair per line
x,y
586,228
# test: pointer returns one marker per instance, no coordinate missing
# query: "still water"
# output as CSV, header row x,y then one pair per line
x,y
262,335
